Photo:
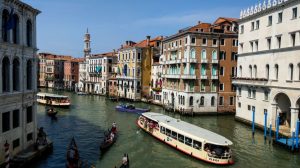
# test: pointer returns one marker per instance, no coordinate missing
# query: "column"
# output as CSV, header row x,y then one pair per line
x,y
273,114
294,118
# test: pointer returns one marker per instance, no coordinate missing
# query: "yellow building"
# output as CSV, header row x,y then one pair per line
x,y
134,68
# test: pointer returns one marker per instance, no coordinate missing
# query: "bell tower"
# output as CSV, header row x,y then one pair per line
x,y
87,44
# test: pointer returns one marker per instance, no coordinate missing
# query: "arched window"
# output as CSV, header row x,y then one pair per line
x,y
191,101
183,100
16,75
29,33
241,71
214,55
202,101
276,71
185,53
212,101
267,71
291,71
179,99
5,17
5,74
250,71
29,74
255,71
193,53
16,30
203,54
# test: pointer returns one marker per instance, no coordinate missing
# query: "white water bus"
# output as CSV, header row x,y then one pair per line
x,y
53,99
192,140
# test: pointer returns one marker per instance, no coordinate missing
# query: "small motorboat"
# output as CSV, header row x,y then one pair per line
x,y
81,93
73,160
51,112
131,109
110,138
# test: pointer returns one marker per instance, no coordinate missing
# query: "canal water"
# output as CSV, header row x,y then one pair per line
x,y
90,116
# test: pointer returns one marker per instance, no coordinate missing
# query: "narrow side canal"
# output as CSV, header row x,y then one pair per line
x,y
90,116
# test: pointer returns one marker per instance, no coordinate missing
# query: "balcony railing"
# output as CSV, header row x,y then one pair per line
x,y
204,61
189,90
214,77
188,76
250,81
171,76
203,76
215,61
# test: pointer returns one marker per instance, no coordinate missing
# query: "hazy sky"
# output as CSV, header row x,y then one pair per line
x,y
63,23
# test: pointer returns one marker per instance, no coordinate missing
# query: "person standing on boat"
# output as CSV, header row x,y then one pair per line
x,y
114,128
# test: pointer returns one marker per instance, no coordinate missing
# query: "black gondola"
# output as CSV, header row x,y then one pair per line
x,y
51,112
73,160
125,162
110,138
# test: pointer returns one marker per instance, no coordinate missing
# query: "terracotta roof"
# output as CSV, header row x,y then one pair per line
x,y
109,54
223,19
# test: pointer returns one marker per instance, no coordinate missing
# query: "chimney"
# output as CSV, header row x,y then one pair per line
x,y
148,40
127,43
199,22
122,46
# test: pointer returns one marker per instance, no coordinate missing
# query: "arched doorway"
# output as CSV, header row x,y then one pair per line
x,y
283,109
298,107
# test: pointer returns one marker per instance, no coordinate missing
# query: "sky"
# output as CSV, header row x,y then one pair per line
x,y
62,24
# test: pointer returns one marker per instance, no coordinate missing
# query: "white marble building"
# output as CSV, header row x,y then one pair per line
x,y
269,63
18,76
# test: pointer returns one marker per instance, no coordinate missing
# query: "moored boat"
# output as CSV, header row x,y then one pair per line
x,y
131,109
53,99
192,140
81,93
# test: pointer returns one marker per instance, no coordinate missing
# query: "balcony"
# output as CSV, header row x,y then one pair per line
x,y
214,77
193,60
203,76
188,76
215,61
189,90
171,76
204,61
250,81
157,89
189,60
184,60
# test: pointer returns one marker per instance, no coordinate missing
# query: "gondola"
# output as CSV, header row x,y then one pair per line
x,y
51,112
125,162
73,160
108,140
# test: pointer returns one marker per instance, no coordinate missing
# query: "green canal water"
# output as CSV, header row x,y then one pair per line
x,y
90,116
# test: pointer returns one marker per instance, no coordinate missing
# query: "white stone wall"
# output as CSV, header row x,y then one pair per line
x,y
19,100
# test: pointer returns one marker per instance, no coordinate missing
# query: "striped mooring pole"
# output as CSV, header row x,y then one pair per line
x,y
6,148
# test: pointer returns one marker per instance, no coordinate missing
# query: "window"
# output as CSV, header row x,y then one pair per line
x,y
223,42
249,93
29,114
276,71
191,101
193,40
291,71
293,39
203,54
256,45
257,25
202,101
222,71
270,19
231,101
29,33
280,17
267,71
5,74
212,103
249,107
16,118
241,71
295,13
16,143
255,71
193,53
221,87
180,138
214,55
162,130
15,29
204,41
215,42
252,26
235,42
5,32
251,45
139,56
233,70
188,141
250,71
29,137
221,101
240,91
233,56
241,47
16,75
5,121
222,55
242,29
279,41
269,43
168,132
266,93
202,86
239,104
197,145
29,75
174,135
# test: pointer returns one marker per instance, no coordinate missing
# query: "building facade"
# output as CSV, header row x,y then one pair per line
x,y
269,65
71,73
156,80
197,67
18,82
134,68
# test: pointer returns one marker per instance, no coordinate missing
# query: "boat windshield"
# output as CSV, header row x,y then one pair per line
x,y
215,151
